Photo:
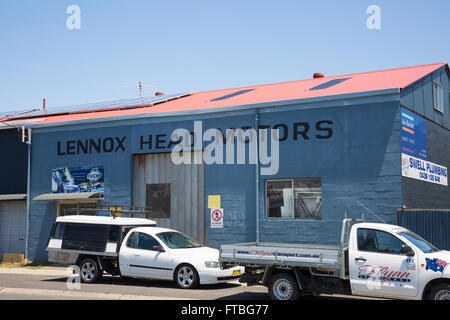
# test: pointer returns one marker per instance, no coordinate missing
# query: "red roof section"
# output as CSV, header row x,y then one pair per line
x,y
359,82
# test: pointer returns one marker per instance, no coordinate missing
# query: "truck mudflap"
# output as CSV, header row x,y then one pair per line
x,y
250,279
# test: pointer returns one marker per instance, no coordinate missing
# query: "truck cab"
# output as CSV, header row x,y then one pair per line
x,y
373,259
393,262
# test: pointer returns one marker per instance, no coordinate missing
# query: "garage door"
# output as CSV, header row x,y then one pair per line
x,y
174,192
12,227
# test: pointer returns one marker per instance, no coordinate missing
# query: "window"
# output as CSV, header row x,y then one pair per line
x,y
87,237
69,208
438,97
176,240
58,230
143,241
420,243
86,232
232,95
329,84
158,200
294,198
378,241
114,233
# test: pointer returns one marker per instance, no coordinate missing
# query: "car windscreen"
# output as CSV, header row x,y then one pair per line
x,y
176,240
420,243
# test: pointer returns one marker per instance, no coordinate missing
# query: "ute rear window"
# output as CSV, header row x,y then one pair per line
x,y
86,232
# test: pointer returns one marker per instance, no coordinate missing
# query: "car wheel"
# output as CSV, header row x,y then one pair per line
x,y
186,276
283,286
440,292
90,271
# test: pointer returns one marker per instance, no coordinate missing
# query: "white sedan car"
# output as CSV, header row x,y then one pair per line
x,y
160,253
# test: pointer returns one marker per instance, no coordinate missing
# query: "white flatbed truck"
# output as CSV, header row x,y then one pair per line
x,y
373,259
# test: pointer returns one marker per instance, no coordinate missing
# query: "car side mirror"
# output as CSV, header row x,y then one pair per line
x,y
158,248
407,250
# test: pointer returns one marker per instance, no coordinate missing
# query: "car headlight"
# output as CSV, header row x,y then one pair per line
x,y
212,264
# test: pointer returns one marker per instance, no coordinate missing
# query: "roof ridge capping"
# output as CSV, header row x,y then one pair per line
x,y
256,86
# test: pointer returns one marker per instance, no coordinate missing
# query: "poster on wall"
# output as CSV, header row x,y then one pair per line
x,y
414,135
79,179
419,169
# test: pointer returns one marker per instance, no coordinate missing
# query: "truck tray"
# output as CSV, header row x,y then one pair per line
x,y
297,255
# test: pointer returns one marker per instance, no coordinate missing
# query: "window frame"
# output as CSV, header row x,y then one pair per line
x,y
379,252
135,234
438,97
292,217
60,204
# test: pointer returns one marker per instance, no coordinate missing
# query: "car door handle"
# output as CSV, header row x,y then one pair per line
x,y
361,259
137,255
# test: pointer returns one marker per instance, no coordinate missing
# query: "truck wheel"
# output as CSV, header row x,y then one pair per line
x,y
186,276
283,286
90,271
440,292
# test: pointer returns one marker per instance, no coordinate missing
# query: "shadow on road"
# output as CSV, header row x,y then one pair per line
x,y
139,282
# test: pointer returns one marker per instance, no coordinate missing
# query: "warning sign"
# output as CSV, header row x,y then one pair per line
x,y
115,211
216,218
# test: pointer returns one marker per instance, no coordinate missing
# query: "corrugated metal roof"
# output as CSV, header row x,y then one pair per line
x,y
277,92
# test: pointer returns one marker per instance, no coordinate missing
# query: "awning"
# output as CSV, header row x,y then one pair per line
x,y
69,196
18,196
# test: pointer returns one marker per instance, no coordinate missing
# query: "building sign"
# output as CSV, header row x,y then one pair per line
x,y
414,135
213,201
420,169
217,218
162,141
79,179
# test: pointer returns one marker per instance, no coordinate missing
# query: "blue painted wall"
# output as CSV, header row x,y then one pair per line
x,y
360,162
418,98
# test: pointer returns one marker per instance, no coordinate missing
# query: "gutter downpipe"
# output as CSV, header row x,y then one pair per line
x,y
257,173
27,222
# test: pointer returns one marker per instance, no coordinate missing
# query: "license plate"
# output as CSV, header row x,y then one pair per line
x,y
236,272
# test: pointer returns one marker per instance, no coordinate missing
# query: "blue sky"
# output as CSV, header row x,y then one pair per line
x,y
201,45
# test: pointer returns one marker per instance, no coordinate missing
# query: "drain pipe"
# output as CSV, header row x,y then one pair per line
x,y
27,222
257,173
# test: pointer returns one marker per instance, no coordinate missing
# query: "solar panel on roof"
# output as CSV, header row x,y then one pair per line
x,y
232,95
329,84
106,105
11,114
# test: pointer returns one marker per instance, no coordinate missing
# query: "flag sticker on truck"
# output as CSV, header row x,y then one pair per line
x,y
436,265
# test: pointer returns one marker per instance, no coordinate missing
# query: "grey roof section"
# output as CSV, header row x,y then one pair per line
x,y
18,196
88,107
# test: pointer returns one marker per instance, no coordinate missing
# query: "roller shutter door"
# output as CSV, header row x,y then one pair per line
x,y
12,227
185,184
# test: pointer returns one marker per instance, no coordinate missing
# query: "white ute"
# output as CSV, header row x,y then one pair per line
x,y
373,259
133,247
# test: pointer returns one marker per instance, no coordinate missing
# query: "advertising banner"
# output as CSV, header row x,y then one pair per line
x,y
414,135
79,179
419,169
